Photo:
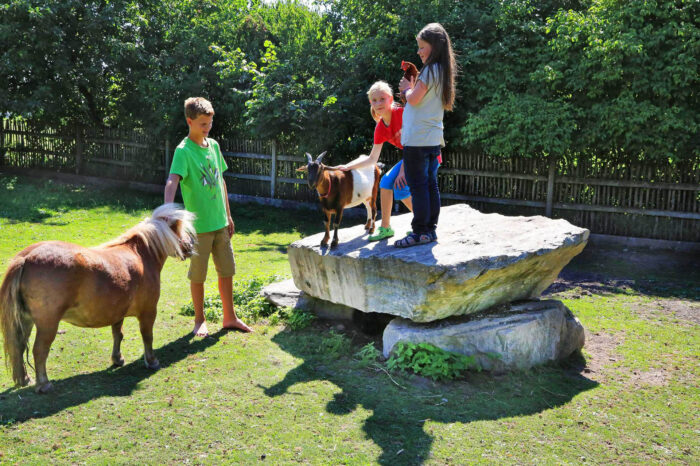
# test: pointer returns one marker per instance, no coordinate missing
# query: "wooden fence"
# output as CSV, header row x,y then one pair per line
x,y
643,199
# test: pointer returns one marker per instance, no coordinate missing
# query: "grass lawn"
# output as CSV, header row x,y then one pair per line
x,y
285,396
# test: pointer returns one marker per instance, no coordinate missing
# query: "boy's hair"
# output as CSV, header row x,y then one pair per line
x,y
441,54
379,86
195,106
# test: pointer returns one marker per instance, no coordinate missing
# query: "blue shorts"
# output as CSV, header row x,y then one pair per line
x,y
388,180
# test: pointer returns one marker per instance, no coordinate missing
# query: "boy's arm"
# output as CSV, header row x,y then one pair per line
x,y
171,187
231,226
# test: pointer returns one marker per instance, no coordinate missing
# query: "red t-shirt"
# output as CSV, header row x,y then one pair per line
x,y
392,133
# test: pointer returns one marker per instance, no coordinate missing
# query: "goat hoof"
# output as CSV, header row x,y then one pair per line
x,y
44,388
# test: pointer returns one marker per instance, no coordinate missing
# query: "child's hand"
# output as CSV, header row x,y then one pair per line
x,y
406,84
231,227
400,179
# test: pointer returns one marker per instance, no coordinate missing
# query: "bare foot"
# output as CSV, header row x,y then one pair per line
x,y
237,324
200,329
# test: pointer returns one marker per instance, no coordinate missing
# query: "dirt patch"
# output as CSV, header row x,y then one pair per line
x,y
575,285
683,310
600,348
602,357
656,377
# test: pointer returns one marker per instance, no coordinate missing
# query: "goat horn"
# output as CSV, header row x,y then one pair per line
x,y
318,159
309,158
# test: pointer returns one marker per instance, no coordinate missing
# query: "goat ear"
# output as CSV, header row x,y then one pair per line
x,y
303,169
318,159
309,158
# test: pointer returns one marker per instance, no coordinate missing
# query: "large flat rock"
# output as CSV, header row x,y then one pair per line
x,y
480,260
512,336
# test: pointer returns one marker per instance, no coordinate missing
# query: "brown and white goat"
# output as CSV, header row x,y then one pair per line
x,y
339,189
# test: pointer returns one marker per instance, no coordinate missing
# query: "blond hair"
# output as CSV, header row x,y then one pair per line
x,y
379,86
195,106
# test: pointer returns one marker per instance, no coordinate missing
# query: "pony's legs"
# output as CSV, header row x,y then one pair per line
x,y
45,334
146,325
117,336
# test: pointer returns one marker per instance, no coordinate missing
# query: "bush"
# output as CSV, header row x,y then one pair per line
x,y
367,355
430,361
334,345
296,319
247,302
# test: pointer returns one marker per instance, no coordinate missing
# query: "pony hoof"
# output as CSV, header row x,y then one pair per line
x,y
118,362
154,365
334,244
44,388
26,380
324,245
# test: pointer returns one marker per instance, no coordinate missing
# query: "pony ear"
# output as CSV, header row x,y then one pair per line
x,y
302,169
318,159
309,158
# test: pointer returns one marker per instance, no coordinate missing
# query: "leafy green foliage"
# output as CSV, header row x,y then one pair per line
x,y
334,345
430,361
295,318
583,78
247,301
368,355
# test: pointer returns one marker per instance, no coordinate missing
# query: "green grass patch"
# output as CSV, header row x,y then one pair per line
x,y
294,391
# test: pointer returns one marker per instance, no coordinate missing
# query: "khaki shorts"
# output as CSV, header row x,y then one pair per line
x,y
218,243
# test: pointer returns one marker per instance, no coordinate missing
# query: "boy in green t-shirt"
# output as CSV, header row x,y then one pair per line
x,y
199,166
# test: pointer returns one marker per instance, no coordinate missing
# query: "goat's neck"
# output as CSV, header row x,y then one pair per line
x,y
325,185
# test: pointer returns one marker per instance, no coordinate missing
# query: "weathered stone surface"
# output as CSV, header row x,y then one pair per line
x,y
480,260
286,294
522,335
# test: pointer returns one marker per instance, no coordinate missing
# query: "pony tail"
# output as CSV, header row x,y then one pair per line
x,y
15,322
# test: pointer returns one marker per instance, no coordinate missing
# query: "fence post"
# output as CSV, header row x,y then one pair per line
x,y
167,158
273,170
78,149
550,185
2,143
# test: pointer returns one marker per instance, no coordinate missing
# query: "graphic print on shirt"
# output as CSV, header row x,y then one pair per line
x,y
210,178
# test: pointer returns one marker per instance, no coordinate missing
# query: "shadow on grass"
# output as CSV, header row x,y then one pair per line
x,y
399,414
606,270
19,405
30,200
37,200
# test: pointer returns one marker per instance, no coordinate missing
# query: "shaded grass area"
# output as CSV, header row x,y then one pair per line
x,y
303,396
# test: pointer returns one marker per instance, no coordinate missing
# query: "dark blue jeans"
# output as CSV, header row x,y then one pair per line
x,y
420,167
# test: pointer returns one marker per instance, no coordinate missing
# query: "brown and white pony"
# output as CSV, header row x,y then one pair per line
x,y
52,281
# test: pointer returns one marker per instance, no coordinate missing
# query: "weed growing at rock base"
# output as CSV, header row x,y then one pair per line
x,y
430,361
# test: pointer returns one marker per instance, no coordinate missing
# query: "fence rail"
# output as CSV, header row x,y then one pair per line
x,y
643,199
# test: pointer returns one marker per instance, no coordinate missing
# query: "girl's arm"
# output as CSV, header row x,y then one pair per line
x,y
412,90
372,160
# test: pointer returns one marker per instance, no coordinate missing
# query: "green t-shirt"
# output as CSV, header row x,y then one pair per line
x,y
202,172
